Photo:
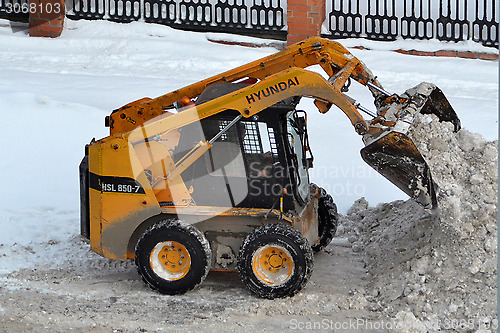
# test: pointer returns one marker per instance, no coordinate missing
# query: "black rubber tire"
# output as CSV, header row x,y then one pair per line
x,y
188,236
328,220
284,237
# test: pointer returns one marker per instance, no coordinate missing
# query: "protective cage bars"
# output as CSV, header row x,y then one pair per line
x,y
255,16
446,20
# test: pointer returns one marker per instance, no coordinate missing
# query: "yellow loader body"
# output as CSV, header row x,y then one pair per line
x,y
215,175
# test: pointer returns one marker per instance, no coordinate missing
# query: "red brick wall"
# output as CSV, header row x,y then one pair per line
x,y
46,18
304,19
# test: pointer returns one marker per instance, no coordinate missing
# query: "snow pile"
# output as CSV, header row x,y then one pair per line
x,y
438,272
464,166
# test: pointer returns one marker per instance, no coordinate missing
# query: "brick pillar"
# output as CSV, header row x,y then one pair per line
x,y
305,18
46,18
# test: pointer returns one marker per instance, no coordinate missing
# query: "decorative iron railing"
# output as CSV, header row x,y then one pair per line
x,y
247,16
446,20
386,20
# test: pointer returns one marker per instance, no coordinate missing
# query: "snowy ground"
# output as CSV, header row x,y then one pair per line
x,y
54,95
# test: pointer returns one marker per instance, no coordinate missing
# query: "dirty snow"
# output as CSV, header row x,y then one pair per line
x,y
438,270
54,94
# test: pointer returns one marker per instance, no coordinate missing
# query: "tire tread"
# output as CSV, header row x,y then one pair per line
x,y
181,226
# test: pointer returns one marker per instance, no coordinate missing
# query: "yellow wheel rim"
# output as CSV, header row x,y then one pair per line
x,y
170,260
273,265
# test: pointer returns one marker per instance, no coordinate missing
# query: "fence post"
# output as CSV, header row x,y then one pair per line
x,y
304,19
46,17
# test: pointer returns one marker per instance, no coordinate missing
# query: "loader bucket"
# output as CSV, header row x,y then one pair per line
x,y
396,158
438,104
394,155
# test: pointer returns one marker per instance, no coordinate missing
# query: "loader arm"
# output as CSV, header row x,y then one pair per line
x,y
337,62
282,75
250,101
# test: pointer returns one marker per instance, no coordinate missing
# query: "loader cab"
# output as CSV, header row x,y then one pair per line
x,y
254,163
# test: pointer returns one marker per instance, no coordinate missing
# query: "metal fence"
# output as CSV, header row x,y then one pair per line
x,y
252,17
386,20
446,20
15,10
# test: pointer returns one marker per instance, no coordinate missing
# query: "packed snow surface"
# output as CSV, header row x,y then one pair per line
x,y
54,95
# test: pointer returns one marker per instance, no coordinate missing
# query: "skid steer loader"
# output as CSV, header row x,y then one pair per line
x,y
214,176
